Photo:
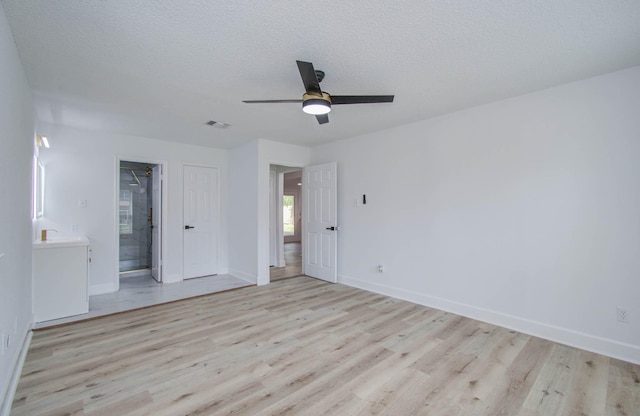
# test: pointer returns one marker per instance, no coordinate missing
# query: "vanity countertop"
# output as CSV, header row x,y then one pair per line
x,y
58,242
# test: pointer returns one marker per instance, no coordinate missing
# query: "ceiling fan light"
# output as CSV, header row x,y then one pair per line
x,y
316,106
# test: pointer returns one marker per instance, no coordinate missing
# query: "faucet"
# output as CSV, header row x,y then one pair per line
x,y
43,233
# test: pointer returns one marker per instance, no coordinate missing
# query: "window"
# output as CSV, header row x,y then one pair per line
x,y
288,217
126,212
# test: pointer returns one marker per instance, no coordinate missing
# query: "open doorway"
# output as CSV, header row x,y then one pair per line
x,y
139,225
286,222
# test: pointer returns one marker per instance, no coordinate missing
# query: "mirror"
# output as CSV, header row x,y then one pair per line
x,y
38,189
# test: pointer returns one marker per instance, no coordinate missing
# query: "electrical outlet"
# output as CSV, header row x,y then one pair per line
x,y
623,315
74,228
380,269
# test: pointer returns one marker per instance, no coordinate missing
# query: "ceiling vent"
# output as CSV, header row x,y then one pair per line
x,y
217,124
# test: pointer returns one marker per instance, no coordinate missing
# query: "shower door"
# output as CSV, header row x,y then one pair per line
x,y
156,220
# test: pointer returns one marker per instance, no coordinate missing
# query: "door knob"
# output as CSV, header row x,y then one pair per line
x,y
333,228
187,227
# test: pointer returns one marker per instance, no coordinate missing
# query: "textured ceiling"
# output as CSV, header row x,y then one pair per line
x,y
163,68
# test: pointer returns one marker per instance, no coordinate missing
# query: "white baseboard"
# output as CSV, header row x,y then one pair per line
x,y
15,376
604,346
244,276
101,289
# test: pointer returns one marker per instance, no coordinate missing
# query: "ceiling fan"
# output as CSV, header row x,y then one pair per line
x,y
317,102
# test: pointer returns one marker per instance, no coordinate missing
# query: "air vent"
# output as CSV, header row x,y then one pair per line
x,y
217,124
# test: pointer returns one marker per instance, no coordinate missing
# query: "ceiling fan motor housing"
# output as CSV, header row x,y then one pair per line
x,y
315,104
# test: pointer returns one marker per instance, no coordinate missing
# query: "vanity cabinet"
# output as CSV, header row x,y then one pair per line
x,y
60,278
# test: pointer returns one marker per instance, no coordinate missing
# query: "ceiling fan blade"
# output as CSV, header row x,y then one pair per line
x,y
323,118
361,99
270,101
309,78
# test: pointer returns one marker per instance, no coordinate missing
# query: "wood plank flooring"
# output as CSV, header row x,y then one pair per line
x,y
303,346
293,261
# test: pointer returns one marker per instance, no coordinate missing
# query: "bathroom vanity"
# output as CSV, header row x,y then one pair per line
x,y
60,278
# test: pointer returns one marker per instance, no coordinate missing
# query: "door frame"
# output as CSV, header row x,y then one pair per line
x,y
157,259
276,251
164,203
216,219
278,198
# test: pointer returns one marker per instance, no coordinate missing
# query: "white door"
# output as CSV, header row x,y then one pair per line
x,y
320,221
200,250
156,221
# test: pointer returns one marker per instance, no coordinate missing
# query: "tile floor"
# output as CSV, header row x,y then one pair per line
x,y
142,291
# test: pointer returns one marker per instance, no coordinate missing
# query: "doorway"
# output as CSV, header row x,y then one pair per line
x,y
139,221
292,207
285,222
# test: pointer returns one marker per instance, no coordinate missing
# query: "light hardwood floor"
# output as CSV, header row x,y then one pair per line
x,y
303,346
293,261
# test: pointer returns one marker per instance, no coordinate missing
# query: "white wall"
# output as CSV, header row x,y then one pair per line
x,y
16,148
82,165
243,217
524,212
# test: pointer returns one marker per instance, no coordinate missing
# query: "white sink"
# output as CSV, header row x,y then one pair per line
x,y
57,242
